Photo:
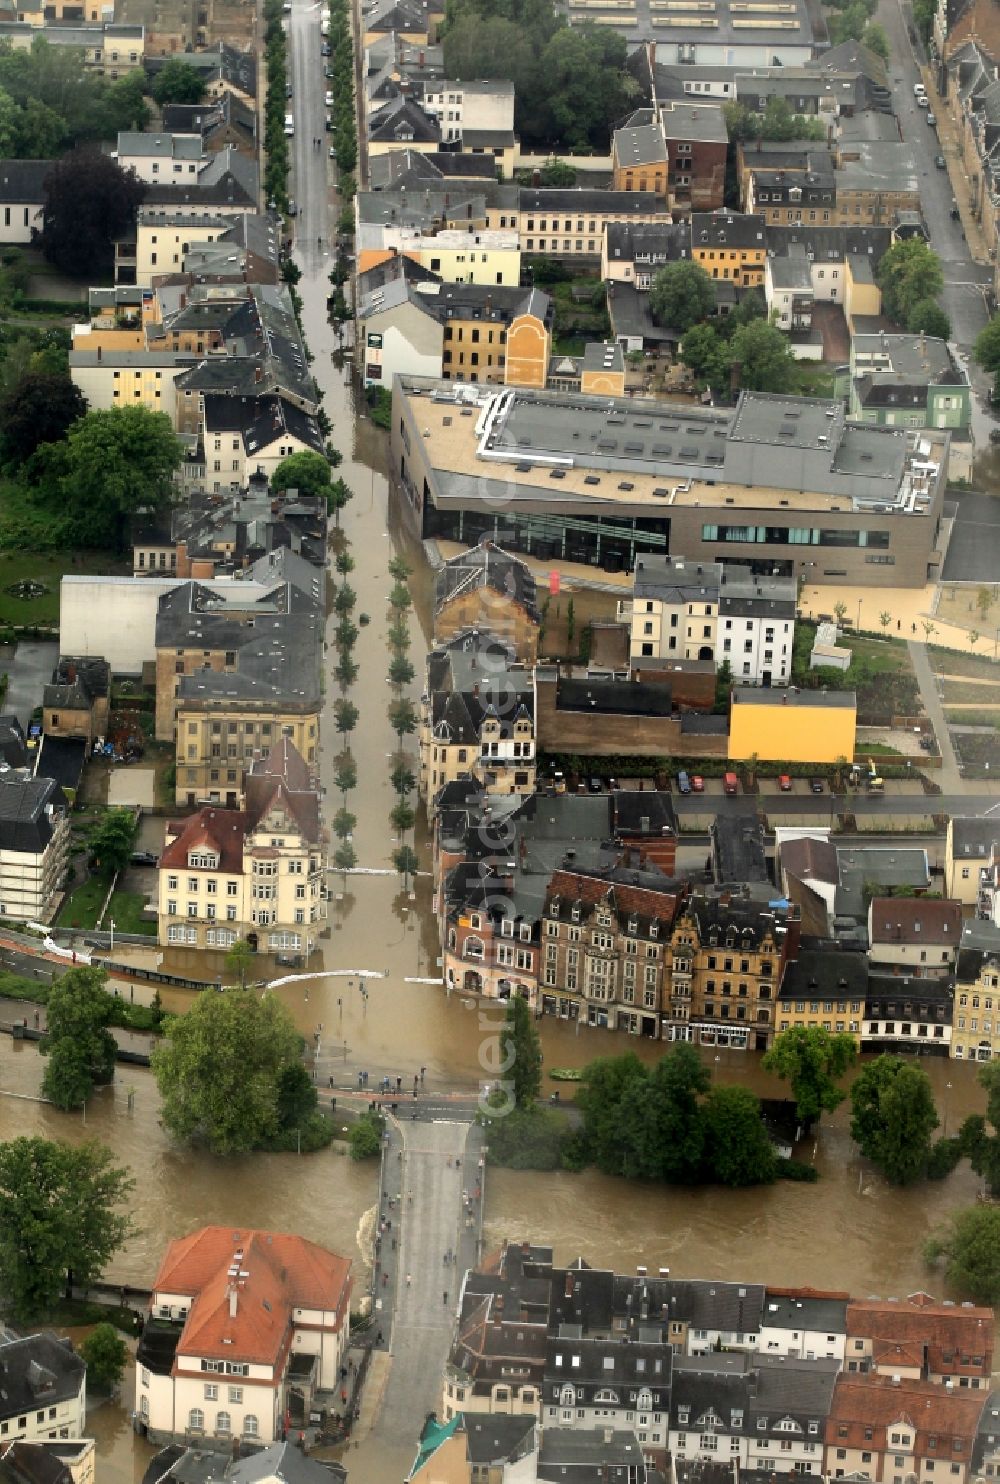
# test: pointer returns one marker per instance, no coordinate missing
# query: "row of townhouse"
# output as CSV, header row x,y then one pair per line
x,y
783,1380
717,611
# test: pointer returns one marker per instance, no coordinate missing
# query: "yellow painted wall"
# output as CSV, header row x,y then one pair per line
x,y
641,178
603,383
860,298
792,733
528,348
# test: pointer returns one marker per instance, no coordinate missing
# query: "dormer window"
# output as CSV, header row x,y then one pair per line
x,y
206,860
507,927
554,907
575,912
633,926
654,929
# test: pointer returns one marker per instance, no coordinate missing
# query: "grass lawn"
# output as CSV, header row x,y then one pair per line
x,y
82,906
973,666
972,716
813,379
969,692
979,753
46,568
880,673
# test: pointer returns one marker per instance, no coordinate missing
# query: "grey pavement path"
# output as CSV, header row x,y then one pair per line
x,y
949,776
432,1225
30,670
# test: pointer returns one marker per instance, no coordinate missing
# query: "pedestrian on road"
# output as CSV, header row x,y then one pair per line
x,y
446,1295
409,1280
385,1279
423,1073
394,1244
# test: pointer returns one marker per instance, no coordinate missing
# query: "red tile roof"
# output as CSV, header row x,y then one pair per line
x,y
915,920
950,1333
283,778
876,1402
221,830
275,1273
638,901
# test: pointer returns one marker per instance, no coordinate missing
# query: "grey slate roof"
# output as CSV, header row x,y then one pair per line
x,y
825,973
738,848
22,182
973,838
581,199
285,1462
802,1311
38,1370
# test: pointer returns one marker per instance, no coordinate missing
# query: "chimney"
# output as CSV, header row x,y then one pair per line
x,y
568,1290
233,1298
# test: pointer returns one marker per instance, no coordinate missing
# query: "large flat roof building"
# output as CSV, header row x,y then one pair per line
x,y
785,485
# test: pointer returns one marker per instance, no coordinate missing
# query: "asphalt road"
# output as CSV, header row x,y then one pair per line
x,y
861,805
309,182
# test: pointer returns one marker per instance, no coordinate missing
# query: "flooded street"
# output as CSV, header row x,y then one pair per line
x,y
849,1231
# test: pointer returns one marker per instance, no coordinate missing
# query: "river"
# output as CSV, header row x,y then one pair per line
x,y
848,1231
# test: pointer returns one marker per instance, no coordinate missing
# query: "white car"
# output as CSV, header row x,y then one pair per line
x,y
329,99
923,101
918,90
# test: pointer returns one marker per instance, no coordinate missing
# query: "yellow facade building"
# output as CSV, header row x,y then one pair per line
x,y
824,989
975,1034
792,726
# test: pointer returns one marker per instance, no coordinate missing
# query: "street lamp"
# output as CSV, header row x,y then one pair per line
x,y
111,923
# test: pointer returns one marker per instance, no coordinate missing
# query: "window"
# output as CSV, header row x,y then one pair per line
x,y
211,1391
236,1395
250,1426
196,1419
223,1422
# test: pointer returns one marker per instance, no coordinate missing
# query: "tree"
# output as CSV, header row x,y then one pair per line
x,y
344,823
402,817
984,601
603,1090
974,638
345,715
57,1219
706,355
405,861
402,779
875,39
219,1070
909,272
400,569
346,634
40,408
113,464
764,355
337,497
401,671
681,295
178,82
402,717
521,1052
89,202
675,1088
884,619
840,610
81,1050
346,670
239,957
982,1147
971,1247
106,1354
345,599
809,1058
307,472
777,122
344,562
555,174
346,775
398,634
738,1151
110,842
893,1117
345,857
399,597
928,318
723,686
365,1138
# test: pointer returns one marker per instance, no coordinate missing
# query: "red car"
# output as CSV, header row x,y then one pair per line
x,y
697,783
785,783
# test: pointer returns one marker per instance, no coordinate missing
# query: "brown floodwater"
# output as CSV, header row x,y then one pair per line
x,y
849,1231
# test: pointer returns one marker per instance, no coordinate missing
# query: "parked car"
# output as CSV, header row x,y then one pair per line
x,y
325,49
931,120
919,90
596,786
683,782
816,784
333,151
730,784
144,858
329,123
697,783
288,90
784,783
923,101
613,784
941,162
293,210
329,98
